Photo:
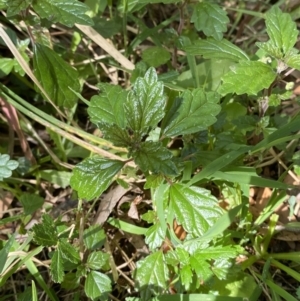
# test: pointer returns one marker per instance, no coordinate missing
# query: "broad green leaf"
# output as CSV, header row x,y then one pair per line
x,y
57,267
218,252
153,181
202,268
281,30
68,251
16,6
194,208
211,19
6,166
222,49
6,65
60,178
155,236
152,275
108,106
293,61
97,285
93,175
248,77
221,268
96,260
186,276
67,12
152,156
31,202
93,237
145,104
45,233
196,112
116,135
156,56
56,76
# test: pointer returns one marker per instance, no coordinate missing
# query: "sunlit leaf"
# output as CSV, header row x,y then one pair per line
x,y
93,176
97,285
56,267
96,260
248,77
194,208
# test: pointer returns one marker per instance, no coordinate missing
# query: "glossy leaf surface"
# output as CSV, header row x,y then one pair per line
x,y
66,12
196,112
56,267
97,285
93,176
194,208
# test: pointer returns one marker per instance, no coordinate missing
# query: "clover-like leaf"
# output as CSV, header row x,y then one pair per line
x,y
248,77
145,104
218,49
210,18
67,12
7,166
93,175
152,156
56,76
152,275
196,112
97,285
45,233
194,208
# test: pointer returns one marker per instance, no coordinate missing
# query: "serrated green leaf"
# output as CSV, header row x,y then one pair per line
x,y
152,275
145,104
97,260
16,6
211,48
248,77
293,61
45,233
57,267
6,166
281,30
152,156
153,181
93,175
108,106
196,112
56,76
31,202
186,276
202,268
156,56
67,12
97,285
194,208
117,135
211,19
68,251
218,252
274,100
183,256
94,237
221,268
155,236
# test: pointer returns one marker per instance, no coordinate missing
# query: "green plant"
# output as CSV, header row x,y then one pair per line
x,y
187,135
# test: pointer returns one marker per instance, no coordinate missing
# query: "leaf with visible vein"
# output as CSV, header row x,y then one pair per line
x,y
108,106
97,285
16,6
56,76
152,156
211,48
93,175
194,208
196,112
293,61
67,12
145,104
211,19
56,267
248,77
152,275
45,233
